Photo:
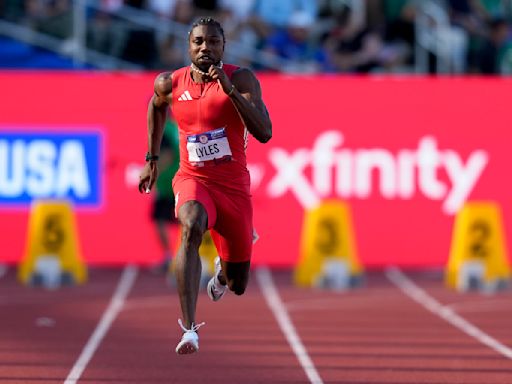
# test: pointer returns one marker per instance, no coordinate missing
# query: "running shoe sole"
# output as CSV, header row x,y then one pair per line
x,y
209,290
186,348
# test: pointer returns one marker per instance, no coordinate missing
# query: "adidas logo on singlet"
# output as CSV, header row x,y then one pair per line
x,y
185,96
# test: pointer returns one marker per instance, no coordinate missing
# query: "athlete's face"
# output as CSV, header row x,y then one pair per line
x,y
205,46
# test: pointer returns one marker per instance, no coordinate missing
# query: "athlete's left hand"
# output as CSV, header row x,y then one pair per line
x,y
148,177
218,74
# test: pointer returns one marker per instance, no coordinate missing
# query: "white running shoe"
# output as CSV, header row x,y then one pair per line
x,y
190,340
214,288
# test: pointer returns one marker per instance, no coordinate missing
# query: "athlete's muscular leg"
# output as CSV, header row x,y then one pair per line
x,y
235,275
194,221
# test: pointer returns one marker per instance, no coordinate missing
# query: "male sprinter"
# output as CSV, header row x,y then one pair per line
x,y
215,105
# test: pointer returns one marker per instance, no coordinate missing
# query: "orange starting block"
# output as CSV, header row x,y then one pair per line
x,y
478,257
328,256
52,256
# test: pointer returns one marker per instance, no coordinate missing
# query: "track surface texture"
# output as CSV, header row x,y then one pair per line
x,y
121,327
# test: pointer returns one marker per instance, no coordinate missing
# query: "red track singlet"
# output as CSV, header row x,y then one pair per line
x,y
213,166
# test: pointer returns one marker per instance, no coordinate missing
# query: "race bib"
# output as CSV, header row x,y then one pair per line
x,y
208,146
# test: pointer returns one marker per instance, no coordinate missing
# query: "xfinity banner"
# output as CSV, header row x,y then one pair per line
x,y
403,153
39,165
346,173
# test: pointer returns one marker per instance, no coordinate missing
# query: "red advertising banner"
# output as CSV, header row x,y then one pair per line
x,y
404,153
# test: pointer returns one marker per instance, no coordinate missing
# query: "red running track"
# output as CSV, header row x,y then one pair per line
x,y
378,333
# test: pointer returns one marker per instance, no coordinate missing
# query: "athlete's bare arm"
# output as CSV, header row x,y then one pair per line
x,y
246,96
157,113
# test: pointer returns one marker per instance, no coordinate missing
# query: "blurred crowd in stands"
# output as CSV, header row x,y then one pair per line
x,y
338,36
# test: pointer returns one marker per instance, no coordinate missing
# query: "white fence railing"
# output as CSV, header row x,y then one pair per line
x,y
437,36
76,48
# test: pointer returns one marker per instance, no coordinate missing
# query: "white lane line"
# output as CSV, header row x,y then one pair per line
x,y
277,306
116,304
446,313
489,305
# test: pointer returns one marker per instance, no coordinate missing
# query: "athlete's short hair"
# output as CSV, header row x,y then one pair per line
x,y
208,21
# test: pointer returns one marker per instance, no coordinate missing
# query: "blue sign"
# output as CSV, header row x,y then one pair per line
x,y
60,165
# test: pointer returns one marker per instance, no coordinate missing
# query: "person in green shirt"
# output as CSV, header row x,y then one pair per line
x,y
162,211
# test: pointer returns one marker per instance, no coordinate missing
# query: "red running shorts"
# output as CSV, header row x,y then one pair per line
x,y
229,216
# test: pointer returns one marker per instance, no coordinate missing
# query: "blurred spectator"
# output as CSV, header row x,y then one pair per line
x,y
240,10
57,20
493,9
294,43
270,15
141,43
329,11
34,13
329,35
475,18
332,13
471,15
495,56
111,5
399,18
180,11
234,16
105,34
141,47
205,8
170,55
11,10
164,9
470,18
183,12
140,4
356,48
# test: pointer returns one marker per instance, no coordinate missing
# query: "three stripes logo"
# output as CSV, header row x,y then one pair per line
x,y
185,96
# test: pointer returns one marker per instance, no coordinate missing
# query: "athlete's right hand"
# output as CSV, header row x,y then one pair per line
x,y
148,177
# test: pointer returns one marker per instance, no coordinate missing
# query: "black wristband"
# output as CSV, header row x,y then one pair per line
x,y
150,157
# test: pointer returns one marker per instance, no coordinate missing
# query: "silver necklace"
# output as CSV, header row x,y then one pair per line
x,y
194,68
